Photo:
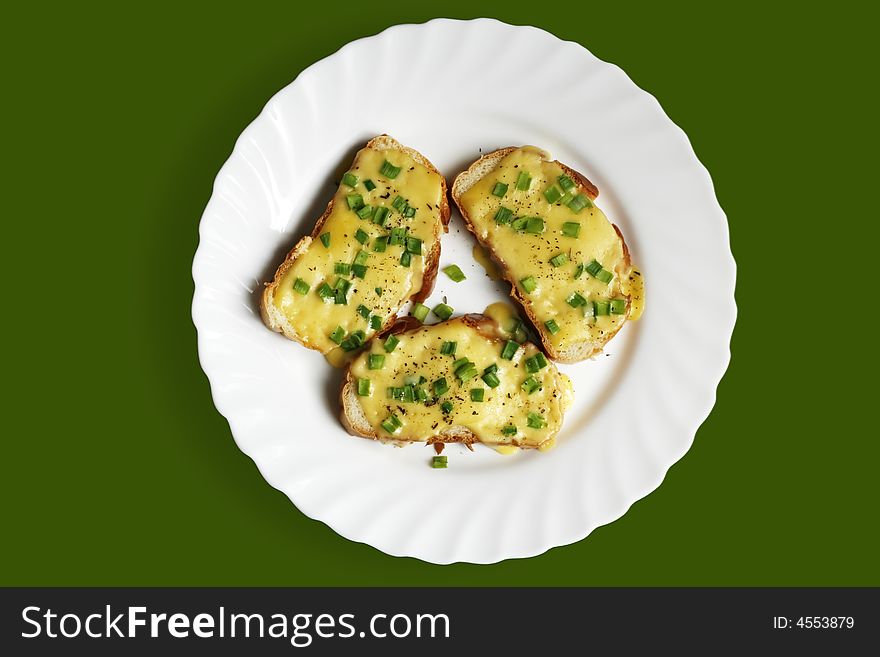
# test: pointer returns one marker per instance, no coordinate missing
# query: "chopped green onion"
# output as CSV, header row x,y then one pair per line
x,y
361,258
409,394
365,387
300,286
529,284
602,308
594,268
350,179
398,235
389,170
571,229
392,424
552,194
559,259
515,325
340,298
499,190
342,284
375,322
492,368
446,407
363,311
531,384
566,183
440,386
618,306
325,292
520,223
409,212
536,421
370,185
380,215
405,258
354,340
365,212
503,215
391,343
491,379
359,271
477,394
419,311
536,363
579,270
575,300
376,361
579,202
421,395
466,372
325,240
508,430
443,311
380,243
414,245
523,181
342,268
399,203
455,273
448,348
337,335
605,276
534,225
355,201
361,236
459,362
439,462
509,350
378,291
552,326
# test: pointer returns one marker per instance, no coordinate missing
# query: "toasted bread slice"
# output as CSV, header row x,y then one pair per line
x,y
568,266
382,230
415,390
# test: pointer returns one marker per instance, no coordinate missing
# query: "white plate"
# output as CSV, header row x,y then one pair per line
x,y
451,89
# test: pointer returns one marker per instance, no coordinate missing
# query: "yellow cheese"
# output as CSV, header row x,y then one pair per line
x,y
525,254
418,356
387,284
485,261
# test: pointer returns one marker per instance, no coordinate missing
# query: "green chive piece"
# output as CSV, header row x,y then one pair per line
x,y
594,268
337,335
370,185
380,215
409,394
566,183
491,379
536,421
446,407
520,223
529,284
414,245
455,273
499,190
440,386
536,363
552,326
391,343
392,424
508,430
466,372
579,270
365,387
509,350
300,286
361,236
443,311
575,300
552,194
405,258
398,235
354,340
363,311
355,201
571,229
325,240
375,322
380,243
579,202
342,268
605,276
365,212
361,258
350,179
491,369
503,216
421,395
359,271
439,462
448,348
389,170
477,394
534,225
542,361
559,259
419,311
618,306
602,308
378,291
531,384
376,361
325,292
523,181
459,362
409,212
399,203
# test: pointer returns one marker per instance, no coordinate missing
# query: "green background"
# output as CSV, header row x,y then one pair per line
x,y
117,469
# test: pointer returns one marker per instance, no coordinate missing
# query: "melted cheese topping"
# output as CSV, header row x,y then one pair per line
x,y
418,355
313,317
525,254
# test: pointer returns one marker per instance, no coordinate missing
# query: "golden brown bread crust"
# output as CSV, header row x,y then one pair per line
x,y
432,258
464,181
